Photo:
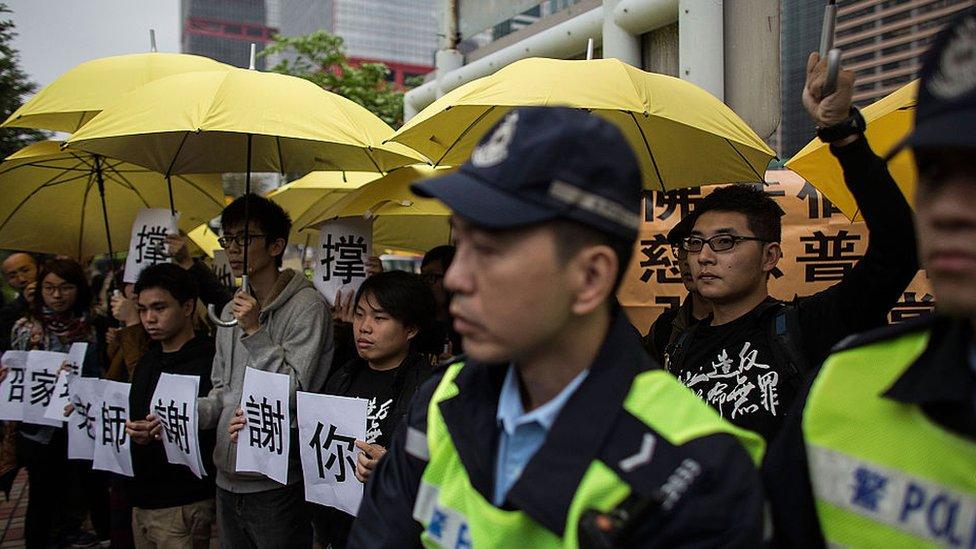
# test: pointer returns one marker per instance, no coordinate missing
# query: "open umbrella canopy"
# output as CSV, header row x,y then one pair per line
x,y
319,190
401,219
51,200
81,93
890,119
682,135
203,122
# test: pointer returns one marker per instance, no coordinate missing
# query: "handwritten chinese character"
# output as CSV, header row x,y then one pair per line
x,y
339,453
113,426
348,261
264,423
42,385
151,245
175,423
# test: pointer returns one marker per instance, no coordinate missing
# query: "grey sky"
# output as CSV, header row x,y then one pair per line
x,y
55,35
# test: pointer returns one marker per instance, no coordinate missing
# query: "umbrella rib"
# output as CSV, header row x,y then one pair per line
x,y
172,163
197,187
49,183
759,178
128,184
84,208
647,146
463,133
281,159
371,159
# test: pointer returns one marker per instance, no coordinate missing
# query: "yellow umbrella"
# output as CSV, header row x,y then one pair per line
x,y
889,120
401,219
683,136
59,201
203,239
319,189
226,121
79,94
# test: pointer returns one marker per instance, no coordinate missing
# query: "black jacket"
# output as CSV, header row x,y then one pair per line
x,y
724,509
940,381
158,484
10,313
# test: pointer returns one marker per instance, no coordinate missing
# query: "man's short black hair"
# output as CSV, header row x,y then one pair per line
x,y
270,218
405,297
571,237
444,254
763,214
166,276
682,229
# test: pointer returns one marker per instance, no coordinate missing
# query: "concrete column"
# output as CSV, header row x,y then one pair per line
x,y
701,44
617,41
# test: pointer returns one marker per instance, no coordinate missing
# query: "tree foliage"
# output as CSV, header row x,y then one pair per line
x,y
14,85
321,58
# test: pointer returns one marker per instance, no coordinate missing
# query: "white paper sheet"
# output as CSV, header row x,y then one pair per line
x,y
40,377
86,394
112,444
12,390
174,403
340,261
327,428
147,245
263,444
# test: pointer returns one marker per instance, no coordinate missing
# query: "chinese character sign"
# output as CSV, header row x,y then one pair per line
x,y
85,395
111,441
12,388
819,245
174,403
40,377
262,447
59,398
344,246
221,268
328,427
147,246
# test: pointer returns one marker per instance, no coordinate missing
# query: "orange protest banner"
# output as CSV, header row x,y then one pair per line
x,y
819,246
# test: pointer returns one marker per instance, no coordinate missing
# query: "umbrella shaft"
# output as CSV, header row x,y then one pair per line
x,y
247,200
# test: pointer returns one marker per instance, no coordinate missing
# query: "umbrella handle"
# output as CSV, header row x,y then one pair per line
x,y
215,318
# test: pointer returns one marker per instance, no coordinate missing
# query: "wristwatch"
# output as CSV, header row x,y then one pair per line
x,y
853,124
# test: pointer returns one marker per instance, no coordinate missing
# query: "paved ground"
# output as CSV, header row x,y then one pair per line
x,y
12,514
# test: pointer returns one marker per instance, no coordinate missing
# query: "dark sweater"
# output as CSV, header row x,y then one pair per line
x,y
159,484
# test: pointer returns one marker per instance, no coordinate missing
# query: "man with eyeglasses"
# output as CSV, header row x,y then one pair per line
x,y
749,358
284,327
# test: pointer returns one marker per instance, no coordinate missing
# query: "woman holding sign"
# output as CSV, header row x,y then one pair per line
x,y
61,317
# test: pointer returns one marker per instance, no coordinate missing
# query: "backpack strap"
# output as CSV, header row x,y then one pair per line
x,y
785,342
674,353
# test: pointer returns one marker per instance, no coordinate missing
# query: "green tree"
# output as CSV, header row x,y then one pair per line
x,y
320,58
14,85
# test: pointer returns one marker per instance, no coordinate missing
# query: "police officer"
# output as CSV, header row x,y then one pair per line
x,y
557,410
883,451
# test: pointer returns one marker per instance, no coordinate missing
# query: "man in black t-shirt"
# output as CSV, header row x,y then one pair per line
x,y
748,359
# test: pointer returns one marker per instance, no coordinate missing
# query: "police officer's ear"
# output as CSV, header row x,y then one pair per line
x,y
593,277
771,254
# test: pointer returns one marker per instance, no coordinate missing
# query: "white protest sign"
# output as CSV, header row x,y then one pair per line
x,y
86,394
221,268
262,446
111,442
59,398
147,246
327,429
12,387
340,263
40,376
174,403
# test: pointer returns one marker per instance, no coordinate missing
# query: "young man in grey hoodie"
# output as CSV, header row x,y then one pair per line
x,y
283,326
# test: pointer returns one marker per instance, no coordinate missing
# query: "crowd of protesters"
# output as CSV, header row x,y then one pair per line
x,y
528,293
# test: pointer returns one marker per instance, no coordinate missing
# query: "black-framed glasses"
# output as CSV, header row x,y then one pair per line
x,y
718,243
238,239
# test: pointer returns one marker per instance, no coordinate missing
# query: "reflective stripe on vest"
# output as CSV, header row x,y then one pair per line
x,y
456,515
882,473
